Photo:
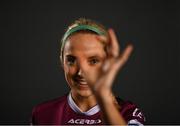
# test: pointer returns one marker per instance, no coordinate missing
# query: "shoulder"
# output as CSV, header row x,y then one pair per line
x,y
49,107
51,103
46,112
131,112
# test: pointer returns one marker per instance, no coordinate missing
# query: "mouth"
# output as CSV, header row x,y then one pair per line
x,y
81,83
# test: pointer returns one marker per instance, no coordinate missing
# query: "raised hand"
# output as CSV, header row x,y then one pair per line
x,y
114,62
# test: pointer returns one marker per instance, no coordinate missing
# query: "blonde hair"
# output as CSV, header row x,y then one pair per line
x,y
99,29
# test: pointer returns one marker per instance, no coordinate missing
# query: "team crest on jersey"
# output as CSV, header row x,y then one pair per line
x,y
84,121
138,113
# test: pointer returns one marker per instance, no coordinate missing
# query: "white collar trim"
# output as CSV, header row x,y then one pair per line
x,y
76,109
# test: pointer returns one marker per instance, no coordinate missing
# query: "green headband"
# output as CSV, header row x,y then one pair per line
x,y
79,28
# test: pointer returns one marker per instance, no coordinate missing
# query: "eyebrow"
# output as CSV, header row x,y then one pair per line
x,y
95,56
90,57
69,55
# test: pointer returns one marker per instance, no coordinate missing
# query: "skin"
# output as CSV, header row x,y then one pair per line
x,y
90,71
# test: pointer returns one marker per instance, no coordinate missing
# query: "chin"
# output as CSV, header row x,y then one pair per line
x,y
80,90
84,93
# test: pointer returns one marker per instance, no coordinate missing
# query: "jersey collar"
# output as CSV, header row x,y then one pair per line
x,y
76,109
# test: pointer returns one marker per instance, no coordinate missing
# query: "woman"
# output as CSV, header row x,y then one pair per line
x,y
90,57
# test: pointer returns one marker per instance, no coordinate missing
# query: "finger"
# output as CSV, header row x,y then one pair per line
x,y
114,43
109,71
124,57
102,38
107,64
109,76
116,66
105,42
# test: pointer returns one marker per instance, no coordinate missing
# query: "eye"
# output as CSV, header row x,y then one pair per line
x,y
70,60
93,61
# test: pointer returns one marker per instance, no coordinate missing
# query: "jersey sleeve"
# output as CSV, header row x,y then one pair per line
x,y
132,114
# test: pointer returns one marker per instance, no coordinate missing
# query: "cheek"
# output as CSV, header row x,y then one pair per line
x,y
92,75
94,72
69,71
98,70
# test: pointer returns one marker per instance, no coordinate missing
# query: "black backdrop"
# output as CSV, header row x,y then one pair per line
x,y
30,68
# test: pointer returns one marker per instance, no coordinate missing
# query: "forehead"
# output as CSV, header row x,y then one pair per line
x,y
83,44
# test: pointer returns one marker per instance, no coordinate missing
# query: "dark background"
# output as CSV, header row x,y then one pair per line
x,y
30,67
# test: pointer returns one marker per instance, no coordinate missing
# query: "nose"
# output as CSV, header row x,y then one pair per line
x,y
79,72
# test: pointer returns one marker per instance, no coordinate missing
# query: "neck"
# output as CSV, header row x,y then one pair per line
x,y
84,102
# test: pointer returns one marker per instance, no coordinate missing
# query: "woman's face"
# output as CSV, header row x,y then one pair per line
x,y
83,53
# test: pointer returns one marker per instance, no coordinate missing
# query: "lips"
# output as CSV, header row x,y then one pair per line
x,y
81,81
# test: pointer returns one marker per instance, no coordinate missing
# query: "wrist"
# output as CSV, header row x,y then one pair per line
x,y
104,96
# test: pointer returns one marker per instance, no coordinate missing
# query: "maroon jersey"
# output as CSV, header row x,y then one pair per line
x,y
63,111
